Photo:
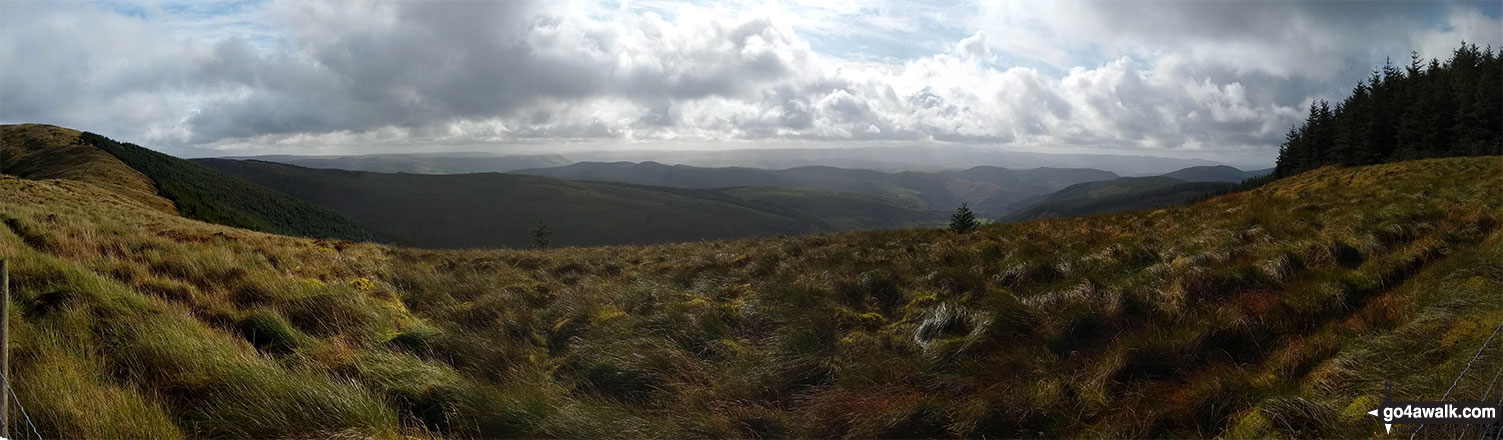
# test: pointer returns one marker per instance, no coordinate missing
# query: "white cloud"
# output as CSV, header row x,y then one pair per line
x,y
361,75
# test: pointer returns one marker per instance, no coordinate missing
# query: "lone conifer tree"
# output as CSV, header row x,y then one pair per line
x,y
963,220
540,235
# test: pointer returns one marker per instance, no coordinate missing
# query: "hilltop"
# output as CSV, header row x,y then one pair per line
x,y
38,151
164,183
1274,312
421,163
1217,173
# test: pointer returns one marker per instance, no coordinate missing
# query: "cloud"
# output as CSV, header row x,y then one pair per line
x,y
366,75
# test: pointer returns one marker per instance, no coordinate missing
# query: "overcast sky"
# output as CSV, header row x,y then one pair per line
x,y
1199,78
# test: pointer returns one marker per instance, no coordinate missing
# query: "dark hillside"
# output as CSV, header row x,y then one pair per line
x,y
842,211
1217,173
500,210
205,194
989,189
1124,194
422,163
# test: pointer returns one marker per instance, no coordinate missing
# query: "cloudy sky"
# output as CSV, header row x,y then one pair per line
x,y
1197,78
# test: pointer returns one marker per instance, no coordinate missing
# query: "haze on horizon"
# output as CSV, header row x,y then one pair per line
x,y
1211,80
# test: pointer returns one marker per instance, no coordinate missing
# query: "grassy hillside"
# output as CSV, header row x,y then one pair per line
x,y
1277,312
38,151
990,190
500,210
1116,195
204,194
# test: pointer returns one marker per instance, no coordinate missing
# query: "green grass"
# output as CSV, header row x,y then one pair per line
x,y
1274,312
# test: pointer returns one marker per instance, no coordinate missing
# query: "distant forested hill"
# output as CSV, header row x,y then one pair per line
x,y
1216,173
990,190
1124,194
422,163
1426,109
495,209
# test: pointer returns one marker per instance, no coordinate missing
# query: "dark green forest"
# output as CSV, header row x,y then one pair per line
x,y
1424,110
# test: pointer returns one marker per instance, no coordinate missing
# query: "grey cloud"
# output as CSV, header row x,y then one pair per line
x,y
1178,75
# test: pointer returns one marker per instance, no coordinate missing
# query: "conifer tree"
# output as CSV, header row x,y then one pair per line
x,y
1421,110
963,220
540,235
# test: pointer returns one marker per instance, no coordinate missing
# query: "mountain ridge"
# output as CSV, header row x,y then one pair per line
x,y
499,209
988,189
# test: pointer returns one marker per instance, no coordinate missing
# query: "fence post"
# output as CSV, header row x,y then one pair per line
x,y
5,344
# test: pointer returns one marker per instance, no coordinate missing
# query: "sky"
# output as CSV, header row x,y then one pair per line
x,y
1212,79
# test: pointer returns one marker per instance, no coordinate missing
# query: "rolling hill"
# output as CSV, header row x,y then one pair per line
x,y
475,210
492,209
1216,173
38,151
166,183
1275,312
1124,194
990,190
895,158
420,163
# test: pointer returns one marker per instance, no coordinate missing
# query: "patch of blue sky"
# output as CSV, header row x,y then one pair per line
x,y
209,20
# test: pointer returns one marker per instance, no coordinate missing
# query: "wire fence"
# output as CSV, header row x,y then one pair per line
x,y
10,393
17,399
1473,431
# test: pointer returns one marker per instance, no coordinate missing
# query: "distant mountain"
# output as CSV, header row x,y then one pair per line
x,y
898,158
427,163
842,211
1124,194
990,190
1216,173
492,209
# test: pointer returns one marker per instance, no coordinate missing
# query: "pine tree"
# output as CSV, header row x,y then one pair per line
x,y
540,235
963,220
1421,110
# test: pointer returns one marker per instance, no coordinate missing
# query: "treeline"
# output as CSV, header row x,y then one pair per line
x,y
202,193
1423,110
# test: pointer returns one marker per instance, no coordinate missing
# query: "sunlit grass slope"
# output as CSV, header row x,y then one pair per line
x,y
1276,312
40,151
